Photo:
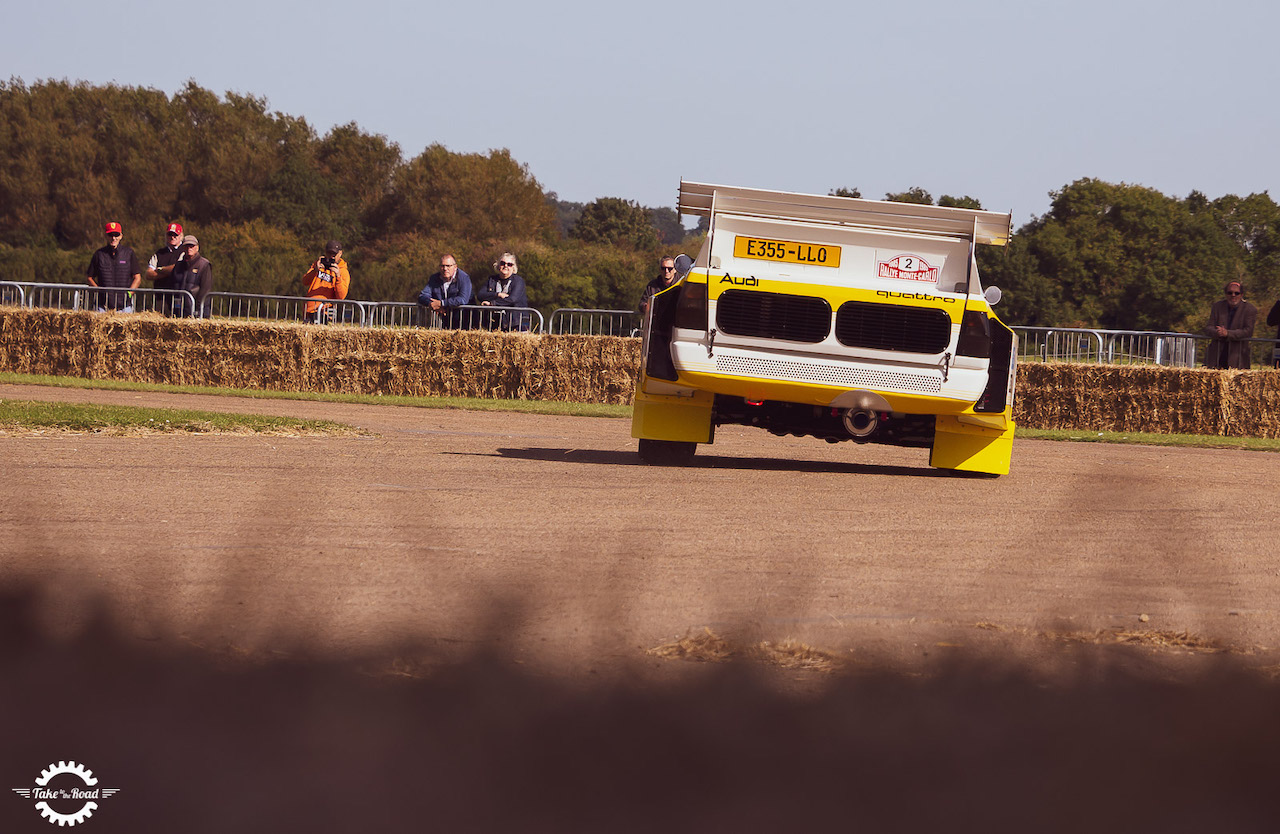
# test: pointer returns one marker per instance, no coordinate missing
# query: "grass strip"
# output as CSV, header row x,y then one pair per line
x,y
1198,441
22,415
461,403
598,410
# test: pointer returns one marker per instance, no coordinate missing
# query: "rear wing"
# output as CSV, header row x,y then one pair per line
x,y
704,200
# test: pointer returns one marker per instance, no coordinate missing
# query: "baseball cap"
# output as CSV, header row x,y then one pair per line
x,y
176,228
113,226
332,247
190,239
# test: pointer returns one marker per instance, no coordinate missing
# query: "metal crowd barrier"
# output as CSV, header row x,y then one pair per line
x,y
489,317
466,317
12,292
587,322
89,297
1059,344
1110,347
1125,347
250,307
393,314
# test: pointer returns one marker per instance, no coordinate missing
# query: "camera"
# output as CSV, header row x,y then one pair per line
x,y
328,262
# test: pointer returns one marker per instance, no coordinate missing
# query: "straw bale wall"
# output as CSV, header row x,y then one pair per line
x,y
1148,398
303,357
300,357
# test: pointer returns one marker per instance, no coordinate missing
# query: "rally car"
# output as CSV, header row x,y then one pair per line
x,y
831,317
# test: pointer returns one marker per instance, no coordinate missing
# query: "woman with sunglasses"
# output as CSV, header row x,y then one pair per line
x,y
1231,323
505,289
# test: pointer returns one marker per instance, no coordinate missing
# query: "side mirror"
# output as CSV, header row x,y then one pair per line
x,y
684,263
993,295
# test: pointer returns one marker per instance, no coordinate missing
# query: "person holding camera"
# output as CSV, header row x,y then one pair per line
x,y
328,278
506,289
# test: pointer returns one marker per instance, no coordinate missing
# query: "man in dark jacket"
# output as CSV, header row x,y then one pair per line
x,y
1231,323
666,277
506,289
445,292
115,266
160,267
195,275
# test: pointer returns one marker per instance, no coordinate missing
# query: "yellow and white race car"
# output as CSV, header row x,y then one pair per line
x,y
830,317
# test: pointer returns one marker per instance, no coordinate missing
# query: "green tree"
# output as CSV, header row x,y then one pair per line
x,y
911,195
617,222
666,222
853,192
965,202
363,167
444,194
1116,256
567,212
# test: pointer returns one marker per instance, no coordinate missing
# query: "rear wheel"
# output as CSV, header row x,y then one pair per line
x,y
667,452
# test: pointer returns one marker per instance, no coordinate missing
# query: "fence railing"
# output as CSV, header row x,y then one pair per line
x,y
1127,347
251,307
1060,344
589,322
12,293
89,297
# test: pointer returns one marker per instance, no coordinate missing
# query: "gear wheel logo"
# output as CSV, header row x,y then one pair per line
x,y
66,795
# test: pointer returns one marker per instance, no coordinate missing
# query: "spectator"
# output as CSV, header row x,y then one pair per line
x,y
1273,319
445,292
327,278
195,275
506,289
666,277
114,266
1231,323
160,267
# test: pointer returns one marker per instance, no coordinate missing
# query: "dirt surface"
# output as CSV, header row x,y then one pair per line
x,y
546,538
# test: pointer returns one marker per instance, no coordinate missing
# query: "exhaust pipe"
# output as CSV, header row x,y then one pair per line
x,y
861,422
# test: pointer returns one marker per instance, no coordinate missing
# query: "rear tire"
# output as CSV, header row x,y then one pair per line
x,y
667,452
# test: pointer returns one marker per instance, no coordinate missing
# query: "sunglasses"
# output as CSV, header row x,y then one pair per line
x,y
113,234
175,234
1232,293
504,263
668,269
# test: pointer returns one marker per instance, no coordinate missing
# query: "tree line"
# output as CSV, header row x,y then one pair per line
x,y
263,191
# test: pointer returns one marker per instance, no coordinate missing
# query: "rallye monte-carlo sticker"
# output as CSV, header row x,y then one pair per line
x,y
907,267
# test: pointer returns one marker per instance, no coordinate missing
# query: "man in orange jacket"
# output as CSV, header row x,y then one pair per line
x,y
327,278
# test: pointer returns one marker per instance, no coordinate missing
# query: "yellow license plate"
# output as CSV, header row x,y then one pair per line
x,y
786,251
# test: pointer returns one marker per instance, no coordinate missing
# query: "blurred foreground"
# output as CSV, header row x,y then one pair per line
x,y
198,742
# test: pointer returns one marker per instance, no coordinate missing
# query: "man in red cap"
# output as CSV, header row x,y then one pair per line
x,y
163,260
1231,323
114,266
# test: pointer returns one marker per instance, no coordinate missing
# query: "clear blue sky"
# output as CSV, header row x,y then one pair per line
x,y
1003,100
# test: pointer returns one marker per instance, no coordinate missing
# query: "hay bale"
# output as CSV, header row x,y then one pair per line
x,y
303,357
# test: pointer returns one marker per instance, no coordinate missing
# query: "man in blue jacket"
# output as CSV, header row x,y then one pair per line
x,y
445,292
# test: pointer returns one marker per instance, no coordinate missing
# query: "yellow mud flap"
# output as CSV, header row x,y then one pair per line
x,y
973,443
660,417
